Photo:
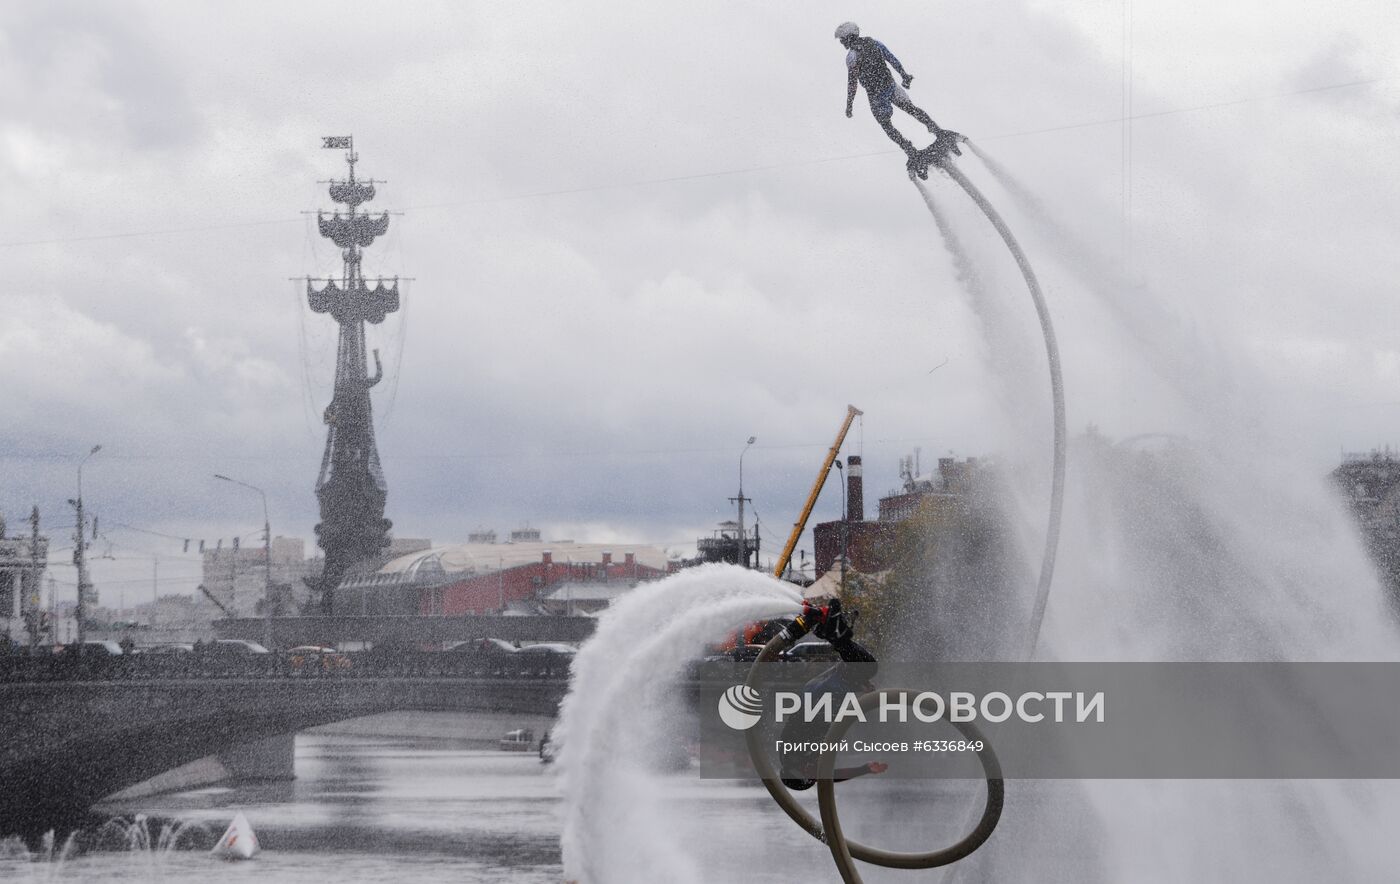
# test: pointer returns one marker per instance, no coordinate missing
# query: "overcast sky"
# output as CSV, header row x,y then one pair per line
x,y
640,236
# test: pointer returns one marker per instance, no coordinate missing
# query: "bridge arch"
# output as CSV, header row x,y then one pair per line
x,y
66,744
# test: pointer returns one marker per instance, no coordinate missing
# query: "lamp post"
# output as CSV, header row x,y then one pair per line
x,y
79,557
267,561
743,560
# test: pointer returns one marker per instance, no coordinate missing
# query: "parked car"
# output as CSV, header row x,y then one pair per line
x,y
549,648
95,647
522,740
234,647
550,659
170,648
485,646
310,657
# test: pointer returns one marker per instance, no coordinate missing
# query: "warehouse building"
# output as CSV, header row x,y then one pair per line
x,y
502,578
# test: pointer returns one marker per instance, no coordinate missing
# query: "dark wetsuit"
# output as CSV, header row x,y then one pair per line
x,y
867,62
799,770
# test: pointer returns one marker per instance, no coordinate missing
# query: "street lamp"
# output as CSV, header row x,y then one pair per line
x,y
743,546
267,560
95,449
79,559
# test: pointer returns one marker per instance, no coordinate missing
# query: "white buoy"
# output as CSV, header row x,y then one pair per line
x,y
238,841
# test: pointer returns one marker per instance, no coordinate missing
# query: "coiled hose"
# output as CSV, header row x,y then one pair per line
x,y
828,831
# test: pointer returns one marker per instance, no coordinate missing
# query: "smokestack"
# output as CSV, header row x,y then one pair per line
x,y
547,557
629,558
855,490
607,559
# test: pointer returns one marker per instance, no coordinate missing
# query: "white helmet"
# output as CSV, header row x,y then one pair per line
x,y
849,29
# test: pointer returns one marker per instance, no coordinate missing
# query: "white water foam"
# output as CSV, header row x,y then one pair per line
x,y
618,721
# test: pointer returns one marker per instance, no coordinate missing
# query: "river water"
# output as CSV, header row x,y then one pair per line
x,y
362,809
393,808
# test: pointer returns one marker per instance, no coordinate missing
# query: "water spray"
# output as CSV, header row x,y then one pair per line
x,y
641,646
1057,399
843,850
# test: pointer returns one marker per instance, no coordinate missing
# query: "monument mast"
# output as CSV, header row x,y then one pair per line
x,y
351,487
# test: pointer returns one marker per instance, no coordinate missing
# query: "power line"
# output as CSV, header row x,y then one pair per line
x,y
1185,110
722,173
232,225
249,535
138,581
150,532
487,455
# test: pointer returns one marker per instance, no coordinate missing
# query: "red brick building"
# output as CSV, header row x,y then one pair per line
x,y
870,545
491,578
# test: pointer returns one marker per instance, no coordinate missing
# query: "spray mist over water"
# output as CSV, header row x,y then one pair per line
x,y
618,722
1219,549
971,278
1200,370
1009,339
1210,550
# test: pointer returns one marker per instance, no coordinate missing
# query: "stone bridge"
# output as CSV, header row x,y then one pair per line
x,y
74,731
404,631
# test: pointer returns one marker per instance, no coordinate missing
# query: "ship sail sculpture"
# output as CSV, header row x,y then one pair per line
x,y
350,488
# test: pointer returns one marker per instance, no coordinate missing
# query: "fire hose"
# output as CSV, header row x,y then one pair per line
x,y
843,850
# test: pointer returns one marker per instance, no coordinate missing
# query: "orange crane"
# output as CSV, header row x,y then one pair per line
x,y
851,414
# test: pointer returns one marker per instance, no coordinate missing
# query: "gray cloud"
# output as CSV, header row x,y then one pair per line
x,y
594,360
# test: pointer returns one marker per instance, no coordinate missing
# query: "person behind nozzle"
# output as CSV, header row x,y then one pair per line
x,y
867,63
837,628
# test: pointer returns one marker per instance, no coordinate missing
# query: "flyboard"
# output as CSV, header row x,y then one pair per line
x,y
238,841
935,154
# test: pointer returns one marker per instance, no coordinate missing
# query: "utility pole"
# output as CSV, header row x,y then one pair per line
x,y
32,607
79,557
743,560
267,576
79,543
53,612
155,589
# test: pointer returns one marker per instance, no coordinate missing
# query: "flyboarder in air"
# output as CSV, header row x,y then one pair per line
x,y
867,64
836,627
